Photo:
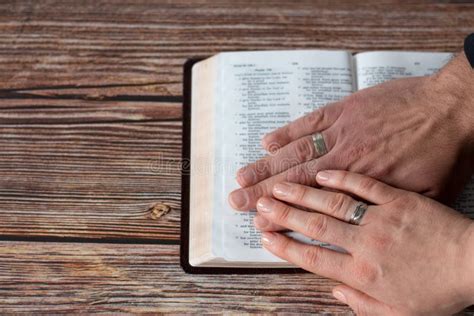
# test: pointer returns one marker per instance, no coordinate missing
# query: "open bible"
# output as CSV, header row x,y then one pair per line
x,y
231,100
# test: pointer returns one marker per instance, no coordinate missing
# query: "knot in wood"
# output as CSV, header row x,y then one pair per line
x,y
159,210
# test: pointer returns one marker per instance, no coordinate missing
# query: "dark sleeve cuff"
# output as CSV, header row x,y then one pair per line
x,y
469,48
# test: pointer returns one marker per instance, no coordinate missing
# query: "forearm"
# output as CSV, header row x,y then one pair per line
x,y
454,85
469,264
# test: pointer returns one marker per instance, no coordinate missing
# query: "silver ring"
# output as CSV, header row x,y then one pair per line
x,y
358,213
319,144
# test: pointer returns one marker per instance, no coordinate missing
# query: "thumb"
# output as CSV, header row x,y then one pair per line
x,y
359,302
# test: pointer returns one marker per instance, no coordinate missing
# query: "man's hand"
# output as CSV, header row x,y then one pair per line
x,y
416,134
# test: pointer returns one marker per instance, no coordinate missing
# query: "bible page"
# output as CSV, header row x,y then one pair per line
x,y
257,93
373,68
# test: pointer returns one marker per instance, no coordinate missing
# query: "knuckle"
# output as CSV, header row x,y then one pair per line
x,y
367,185
298,174
343,178
317,225
310,169
353,100
366,275
311,256
283,164
292,175
284,213
351,154
305,178
336,203
381,171
312,120
396,221
263,167
299,192
406,202
281,246
380,241
287,130
304,150
257,191
338,161
359,150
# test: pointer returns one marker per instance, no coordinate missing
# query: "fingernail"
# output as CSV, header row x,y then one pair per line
x,y
245,176
261,222
264,205
282,189
339,296
267,238
323,175
238,199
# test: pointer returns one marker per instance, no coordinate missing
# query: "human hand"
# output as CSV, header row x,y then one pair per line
x,y
409,255
414,133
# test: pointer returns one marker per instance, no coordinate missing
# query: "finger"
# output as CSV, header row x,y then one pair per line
x,y
319,260
367,188
263,224
295,153
245,199
335,204
314,225
305,173
316,121
361,303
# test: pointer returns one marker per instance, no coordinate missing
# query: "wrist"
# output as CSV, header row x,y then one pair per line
x,y
469,265
453,89
462,286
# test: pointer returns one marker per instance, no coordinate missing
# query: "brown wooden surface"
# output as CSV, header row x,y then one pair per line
x,y
89,169
90,127
112,278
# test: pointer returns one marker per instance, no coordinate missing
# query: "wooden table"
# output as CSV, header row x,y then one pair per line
x,y
90,142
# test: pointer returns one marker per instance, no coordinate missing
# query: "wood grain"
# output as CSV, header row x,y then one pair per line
x,y
79,127
90,140
108,48
89,169
72,278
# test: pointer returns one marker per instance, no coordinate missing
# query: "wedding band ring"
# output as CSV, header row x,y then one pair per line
x,y
319,144
358,213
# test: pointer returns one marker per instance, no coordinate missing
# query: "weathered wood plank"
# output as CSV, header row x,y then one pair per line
x,y
105,48
89,169
94,169
72,278
64,278
66,111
